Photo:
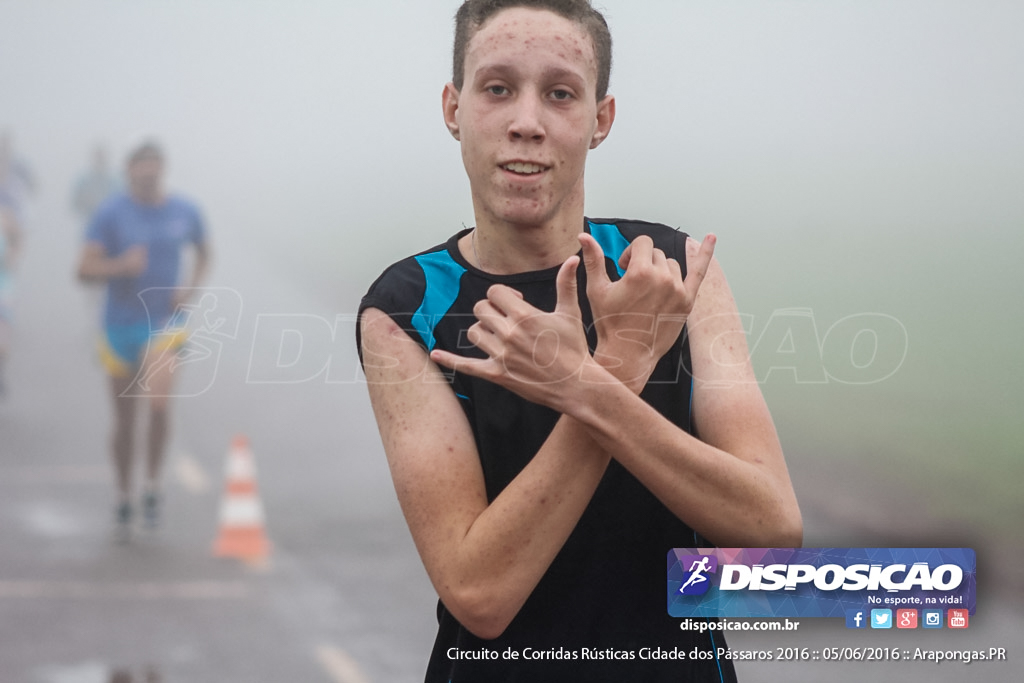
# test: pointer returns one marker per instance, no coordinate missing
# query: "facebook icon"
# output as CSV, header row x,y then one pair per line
x,y
856,618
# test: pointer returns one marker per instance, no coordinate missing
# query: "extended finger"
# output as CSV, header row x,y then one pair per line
x,y
697,267
593,260
566,289
478,367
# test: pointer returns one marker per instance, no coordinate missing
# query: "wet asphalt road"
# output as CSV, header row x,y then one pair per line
x,y
343,597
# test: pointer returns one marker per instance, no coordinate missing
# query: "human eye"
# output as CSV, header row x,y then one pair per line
x,y
561,94
498,90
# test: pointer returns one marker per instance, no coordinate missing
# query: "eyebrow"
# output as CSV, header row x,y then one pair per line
x,y
507,70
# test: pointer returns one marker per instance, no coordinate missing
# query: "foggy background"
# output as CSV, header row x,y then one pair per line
x,y
855,158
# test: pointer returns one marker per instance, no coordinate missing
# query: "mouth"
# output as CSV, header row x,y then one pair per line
x,y
524,168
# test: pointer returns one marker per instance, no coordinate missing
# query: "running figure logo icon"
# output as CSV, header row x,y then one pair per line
x,y
696,582
204,327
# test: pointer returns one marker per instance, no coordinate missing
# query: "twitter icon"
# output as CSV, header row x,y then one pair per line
x,y
881,618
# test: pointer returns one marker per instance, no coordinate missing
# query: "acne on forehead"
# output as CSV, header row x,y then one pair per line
x,y
574,45
578,52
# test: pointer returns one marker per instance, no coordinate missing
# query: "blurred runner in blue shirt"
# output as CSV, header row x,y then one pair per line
x,y
134,243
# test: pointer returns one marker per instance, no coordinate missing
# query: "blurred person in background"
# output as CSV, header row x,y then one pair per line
x,y
93,186
134,244
539,382
10,244
17,182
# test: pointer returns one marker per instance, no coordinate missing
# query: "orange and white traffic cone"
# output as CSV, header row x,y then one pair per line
x,y
242,533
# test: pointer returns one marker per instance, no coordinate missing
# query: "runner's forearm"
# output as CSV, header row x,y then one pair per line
x,y
728,500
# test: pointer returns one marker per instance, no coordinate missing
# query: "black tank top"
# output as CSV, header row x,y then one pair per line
x,y
604,598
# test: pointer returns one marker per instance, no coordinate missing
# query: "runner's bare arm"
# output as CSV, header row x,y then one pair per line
x,y
94,265
483,559
731,485
200,267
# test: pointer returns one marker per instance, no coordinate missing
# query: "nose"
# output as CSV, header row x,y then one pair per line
x,y
527,115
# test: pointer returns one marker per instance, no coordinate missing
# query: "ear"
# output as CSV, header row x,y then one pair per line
x,y
605,119
450,108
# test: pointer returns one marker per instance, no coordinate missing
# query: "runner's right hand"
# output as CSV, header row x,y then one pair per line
x,y
133,261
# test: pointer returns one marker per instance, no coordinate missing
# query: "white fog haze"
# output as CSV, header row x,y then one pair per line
x,y
315,127
860,161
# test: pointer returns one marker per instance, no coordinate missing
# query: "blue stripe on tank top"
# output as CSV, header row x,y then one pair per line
x,y
714,648
442,274
611,240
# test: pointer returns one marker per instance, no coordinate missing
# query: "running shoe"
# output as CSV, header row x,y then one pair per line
x,y
124,522
151,509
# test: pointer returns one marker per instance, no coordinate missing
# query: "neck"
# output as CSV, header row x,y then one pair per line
x,y
506,249
504,246
150,198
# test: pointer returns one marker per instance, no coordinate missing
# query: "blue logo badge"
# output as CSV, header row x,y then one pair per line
x,y
931,618
696,580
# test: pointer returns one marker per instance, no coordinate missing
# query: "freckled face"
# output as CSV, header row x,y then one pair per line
x,y
526,117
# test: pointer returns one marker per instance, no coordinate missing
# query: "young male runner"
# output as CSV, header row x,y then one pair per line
x,y
540,415
134,244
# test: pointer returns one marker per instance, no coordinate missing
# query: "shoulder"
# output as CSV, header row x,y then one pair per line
x,y
113,205
414,293
179,204
108,216
717,336
632,227
404,283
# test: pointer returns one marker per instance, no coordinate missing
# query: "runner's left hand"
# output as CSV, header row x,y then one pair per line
x,y
639,316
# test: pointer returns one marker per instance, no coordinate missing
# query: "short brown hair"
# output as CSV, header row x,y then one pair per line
x,y
148,149
474,13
